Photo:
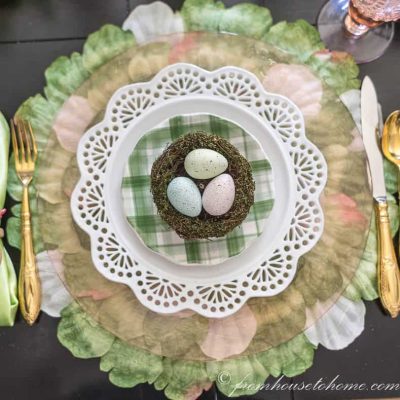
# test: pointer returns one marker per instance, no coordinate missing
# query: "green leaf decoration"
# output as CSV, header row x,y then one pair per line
x,y
202,15
14,232
128,366
14,227
391,176
364,283
339,71
104,44
14,187
290,359
297,38
81,335
180,377
246,19
239,377
63,77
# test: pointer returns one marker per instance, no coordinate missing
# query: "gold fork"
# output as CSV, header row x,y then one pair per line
x,y
25,155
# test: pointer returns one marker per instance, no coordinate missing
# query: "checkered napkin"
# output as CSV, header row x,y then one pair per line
x,y
141,211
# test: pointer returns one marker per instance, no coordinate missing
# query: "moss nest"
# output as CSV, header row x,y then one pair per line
x,y
171,165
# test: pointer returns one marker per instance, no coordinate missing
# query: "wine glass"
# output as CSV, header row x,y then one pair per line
x,y
361,27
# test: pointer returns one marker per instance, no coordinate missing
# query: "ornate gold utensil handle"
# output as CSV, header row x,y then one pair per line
x,y
388,270
398,193
29,287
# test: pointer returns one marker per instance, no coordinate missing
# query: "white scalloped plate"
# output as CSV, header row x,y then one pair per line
x,y
295,224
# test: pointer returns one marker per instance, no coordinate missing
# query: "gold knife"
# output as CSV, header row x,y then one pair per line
x,y
388,270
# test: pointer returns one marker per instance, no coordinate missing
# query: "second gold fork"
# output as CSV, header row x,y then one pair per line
x,y
29,286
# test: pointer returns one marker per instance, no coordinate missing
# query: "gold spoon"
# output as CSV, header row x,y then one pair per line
x,y
391,141
391,149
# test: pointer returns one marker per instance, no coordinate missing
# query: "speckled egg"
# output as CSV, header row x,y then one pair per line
x,y
184,196
205,163
219,195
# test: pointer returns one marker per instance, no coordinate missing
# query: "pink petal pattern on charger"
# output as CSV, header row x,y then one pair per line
x,y
182,47
297,83
231,335
345,208
72,121
357,145
195,392
95,294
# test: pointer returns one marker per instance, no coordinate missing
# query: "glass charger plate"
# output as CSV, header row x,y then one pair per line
x,y
323,273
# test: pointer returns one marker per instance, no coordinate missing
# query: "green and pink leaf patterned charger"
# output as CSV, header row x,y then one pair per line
x,y
184,353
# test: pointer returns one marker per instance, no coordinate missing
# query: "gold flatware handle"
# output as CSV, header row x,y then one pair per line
x,y
388,270
398,194
29,287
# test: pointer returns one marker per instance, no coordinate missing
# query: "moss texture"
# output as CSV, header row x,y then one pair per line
x,y
171,165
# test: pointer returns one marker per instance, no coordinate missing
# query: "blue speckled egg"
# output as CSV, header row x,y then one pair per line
x,y
184,196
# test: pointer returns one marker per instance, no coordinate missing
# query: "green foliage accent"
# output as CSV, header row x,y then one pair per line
x,y
202,15
340,71
63,77
128,366
298,38
83,337
179,377
290,359
391,176
104,44
14,227
238,377
244,19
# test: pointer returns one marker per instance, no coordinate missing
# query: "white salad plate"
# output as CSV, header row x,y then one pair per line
x,y
293,227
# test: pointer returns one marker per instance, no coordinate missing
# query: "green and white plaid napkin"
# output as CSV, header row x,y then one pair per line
x,y
141,211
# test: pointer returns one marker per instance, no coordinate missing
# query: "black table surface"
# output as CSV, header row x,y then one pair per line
x,y
33,364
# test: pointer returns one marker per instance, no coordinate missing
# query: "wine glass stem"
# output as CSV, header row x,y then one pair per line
x,y
353,27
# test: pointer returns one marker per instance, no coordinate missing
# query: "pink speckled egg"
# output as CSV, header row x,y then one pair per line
x,y
219,195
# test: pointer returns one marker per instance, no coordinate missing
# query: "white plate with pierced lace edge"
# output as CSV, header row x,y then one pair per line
x,y
294,226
